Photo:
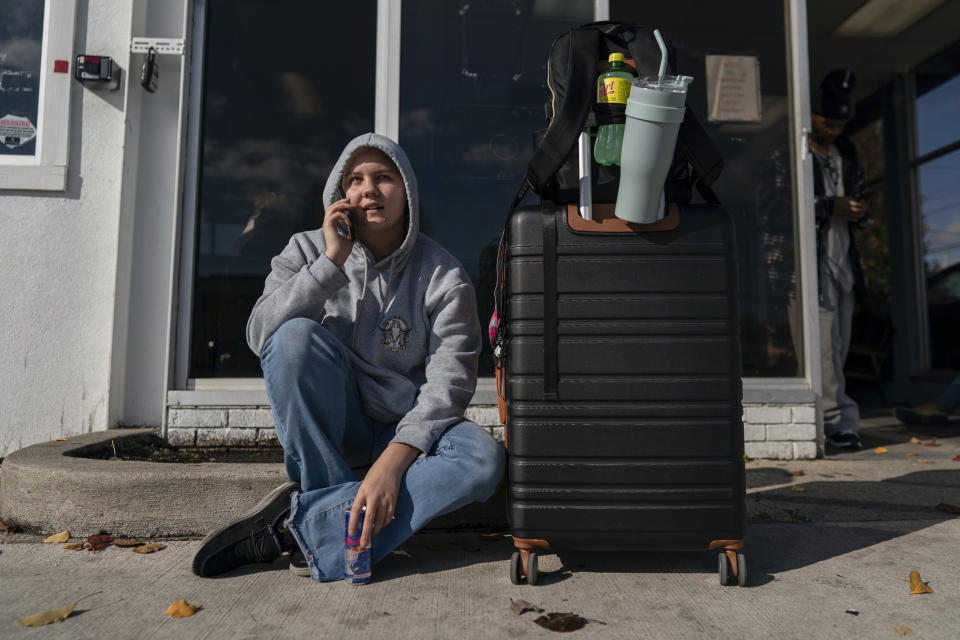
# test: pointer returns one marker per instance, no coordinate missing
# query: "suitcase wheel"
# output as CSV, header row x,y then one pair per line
x,y
730,574
516,576
518,571
532,571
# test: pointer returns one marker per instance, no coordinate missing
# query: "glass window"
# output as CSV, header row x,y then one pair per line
x,y
287,85
873,241
755,187
940,215
937,128
21,43
472,91
938,101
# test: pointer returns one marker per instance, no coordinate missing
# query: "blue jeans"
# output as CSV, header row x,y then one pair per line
x,y
324,431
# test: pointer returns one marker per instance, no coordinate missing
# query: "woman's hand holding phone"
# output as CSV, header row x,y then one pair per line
x,y
338,231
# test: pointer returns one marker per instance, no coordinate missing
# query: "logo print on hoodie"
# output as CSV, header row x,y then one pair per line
x,y
393,334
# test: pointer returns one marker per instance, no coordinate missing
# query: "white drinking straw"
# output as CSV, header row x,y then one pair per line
x,y
663,52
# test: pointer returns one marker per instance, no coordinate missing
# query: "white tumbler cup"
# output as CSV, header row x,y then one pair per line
x,y
655,110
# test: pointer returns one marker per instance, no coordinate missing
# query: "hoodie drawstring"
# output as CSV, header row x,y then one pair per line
x,y
363,292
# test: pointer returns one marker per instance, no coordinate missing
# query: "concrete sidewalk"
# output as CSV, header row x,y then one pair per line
x,y
844,535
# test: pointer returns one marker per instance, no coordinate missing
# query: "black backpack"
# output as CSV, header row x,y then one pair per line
x,y
571,79
552,172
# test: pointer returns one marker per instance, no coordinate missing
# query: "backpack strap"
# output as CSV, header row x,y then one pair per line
x,y
698,148
580,58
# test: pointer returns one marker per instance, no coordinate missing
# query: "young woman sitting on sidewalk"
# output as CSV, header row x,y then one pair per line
x,y
369,351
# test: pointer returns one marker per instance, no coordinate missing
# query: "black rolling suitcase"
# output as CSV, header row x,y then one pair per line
x,y
624,418
618,351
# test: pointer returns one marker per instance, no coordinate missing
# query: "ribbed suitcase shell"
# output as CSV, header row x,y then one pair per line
x,y
644,447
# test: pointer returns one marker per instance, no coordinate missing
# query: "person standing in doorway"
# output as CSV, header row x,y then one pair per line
x,y
840,209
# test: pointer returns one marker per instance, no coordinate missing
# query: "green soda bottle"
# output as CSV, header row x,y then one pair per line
x,y
613,87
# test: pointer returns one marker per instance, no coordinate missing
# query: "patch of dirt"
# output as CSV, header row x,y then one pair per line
x,y
155,449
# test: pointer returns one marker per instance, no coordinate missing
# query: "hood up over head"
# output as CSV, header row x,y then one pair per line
x,y
332,193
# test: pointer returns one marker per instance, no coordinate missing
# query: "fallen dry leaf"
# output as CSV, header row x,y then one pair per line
x,y
63,536
522,606
924,461
917,585
491,537
48,616
561,621
97,542
915,440
796,473
912,453
74,546
149,547
798,488
932,443
7,528
956,458
880,450
123,542
902,630
948,508
401,553
181,609
59,439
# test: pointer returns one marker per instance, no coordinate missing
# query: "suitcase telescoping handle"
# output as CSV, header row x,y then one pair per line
x,y
585,176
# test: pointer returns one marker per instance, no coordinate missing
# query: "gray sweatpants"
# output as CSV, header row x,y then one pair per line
x,y
840,412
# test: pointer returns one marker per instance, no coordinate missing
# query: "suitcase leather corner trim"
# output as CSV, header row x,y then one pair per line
x,y
604,221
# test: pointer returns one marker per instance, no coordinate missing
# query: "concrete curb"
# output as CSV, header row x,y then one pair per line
x,y
45,488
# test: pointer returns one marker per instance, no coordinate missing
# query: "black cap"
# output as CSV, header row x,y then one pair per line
x,y
834,98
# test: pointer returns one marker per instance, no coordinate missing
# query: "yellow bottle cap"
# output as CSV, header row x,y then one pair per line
x,y
615,57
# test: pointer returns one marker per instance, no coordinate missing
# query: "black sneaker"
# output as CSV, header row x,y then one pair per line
x,y
257,536
298,564
845,441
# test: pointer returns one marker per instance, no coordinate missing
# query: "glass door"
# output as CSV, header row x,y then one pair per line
x,y
286,86
472,91
756,186
938,165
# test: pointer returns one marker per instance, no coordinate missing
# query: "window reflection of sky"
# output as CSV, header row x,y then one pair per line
x,y
940,208
472,92
273,125
938,116
937,108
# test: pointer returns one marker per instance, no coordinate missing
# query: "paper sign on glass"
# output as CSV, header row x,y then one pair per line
x,y
733,89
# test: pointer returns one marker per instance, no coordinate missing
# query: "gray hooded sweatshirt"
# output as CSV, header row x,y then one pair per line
x,y
409,321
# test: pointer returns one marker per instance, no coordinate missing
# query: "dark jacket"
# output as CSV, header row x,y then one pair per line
x,y
853,187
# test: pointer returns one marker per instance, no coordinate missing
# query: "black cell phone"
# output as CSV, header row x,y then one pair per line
x,y
345,230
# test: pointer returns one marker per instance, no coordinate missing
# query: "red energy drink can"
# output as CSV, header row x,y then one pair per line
x,y
357,565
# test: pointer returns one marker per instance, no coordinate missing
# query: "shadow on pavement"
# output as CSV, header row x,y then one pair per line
x,y
787,529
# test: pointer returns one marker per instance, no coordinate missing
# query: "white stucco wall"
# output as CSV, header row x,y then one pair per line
x,y
58,261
